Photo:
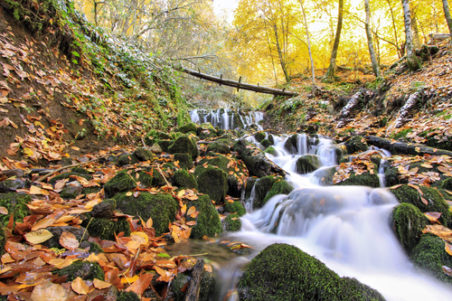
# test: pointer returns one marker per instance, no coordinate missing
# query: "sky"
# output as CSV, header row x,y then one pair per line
x,y
225,8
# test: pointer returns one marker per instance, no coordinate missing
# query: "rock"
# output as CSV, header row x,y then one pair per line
x,y
165,145
266,143
185,160
446,184
408,223
430,201
234,187
259,136
184,144
122,181
263,186
325,175
356,144
278,187
189,127
11,185
83,269
125,159
18,173
106,228
257,164
365,179
236,207
271,150
57,231
220,146
162,207
208,221
232,223
128,296
16,204
307,164
284,272
214,182
71,190
179,286
291,144
430,254
250,182
70,175
392,176
183,179
105,209
2,240
156,149
142,154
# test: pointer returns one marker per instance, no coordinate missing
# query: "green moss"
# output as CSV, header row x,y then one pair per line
x,y
208,221
408,222
214,182
232,223
179,285
83,269
284,272
266,143
128,296
392,176
142,154
185,160
365,179
165,144
80,170
68,175
430,201
279,187
189,127
106,228
447,184
219,161
184,144
16,204
219,146
183,179
307,164
161,207
95,248
235,207
2,240
263,186
271,150
125,159
259,136
122,181
356,144
430,255
250,182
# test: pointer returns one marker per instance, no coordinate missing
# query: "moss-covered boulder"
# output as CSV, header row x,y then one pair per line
x,y
221,146
165,144
183,179
122,181
181,282
125,159
214,182
16,204
430,200
83,269
54,242
356,144
162,207
128,296
208,221
365,179
259,136
213,160
235,207
184,144
284,272
430,255
107,228
392,176
408,222
291,144
266,143
271,150
279,187
307,164
232,223
70,175
142,154
185,160
262,187
189,127
249,185
254,159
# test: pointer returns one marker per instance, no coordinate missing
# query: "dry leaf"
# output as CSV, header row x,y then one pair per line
x,y
49,291
3,210
99,284
69,241
448,248
149,223
139,286
39,236
433,217
79,286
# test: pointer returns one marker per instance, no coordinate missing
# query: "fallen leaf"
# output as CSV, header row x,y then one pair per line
x,y
69,241
448,248
149,223
142,284
3,210
447,270
49,291
38,236
99,284
433,217
79,286
191,211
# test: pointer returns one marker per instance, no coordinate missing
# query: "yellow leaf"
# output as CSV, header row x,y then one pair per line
x,y
140,237
448,248
129,280
99,284
29,152
39,236
191,211
181,193
38,190
184,209
149,223
79,286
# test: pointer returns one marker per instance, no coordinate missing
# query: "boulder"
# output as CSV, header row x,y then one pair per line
x,y
408,223
208,221
356,144
365,179
183,179
83,269
185,160
307,164
184,144
232,223
107,228
122,181
235,207
214,182
189,127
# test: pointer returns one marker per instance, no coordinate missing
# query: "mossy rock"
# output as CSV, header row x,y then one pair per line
x,y
266,143
254,159
125,159
71,191
183,179
430,254
447,184
106,228
54,242
128,296
179,285
235,207
392,176
2,240
430,201
291,144
356,144
414,62
184,144
165,145
16,203
80,170
208,221
185,160
68,175
212,160
83,269
232,223
142,154
250,182
189,127
365,179
307,164
181,281
283,272
408,223
263,187
279,187
259,136
271,150
161,207
122,181
219,146
95,248
11,185
214,182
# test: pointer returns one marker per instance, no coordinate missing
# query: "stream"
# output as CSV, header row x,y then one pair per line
x,y
346,227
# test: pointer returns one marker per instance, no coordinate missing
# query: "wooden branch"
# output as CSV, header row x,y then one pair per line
x,y
238,85
406,148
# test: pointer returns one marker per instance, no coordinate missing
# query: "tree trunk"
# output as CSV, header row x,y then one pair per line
x,y
370,42
408,32
414,25
280,54
331,69
394,27
308,37
448,17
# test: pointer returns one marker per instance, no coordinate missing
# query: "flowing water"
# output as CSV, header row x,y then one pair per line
x,y
346,227
227,119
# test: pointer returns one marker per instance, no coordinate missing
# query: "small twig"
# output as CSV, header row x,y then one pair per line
x,y
86,228
42,178
164,178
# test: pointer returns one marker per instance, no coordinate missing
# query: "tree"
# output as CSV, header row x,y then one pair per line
x,y
332,68
448,17
370,43
412,60
308,38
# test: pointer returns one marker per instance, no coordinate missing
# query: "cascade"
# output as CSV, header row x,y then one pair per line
x,y
227,119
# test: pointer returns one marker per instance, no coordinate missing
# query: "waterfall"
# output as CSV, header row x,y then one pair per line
x,y
227,119
346,227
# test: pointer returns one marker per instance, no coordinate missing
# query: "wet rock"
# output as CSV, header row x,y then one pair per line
x,y
271,150
234,187
125,159
291,144
280,186
408,223
365,179
83,269
11,185
266,143
208,221
122,181
214,182
232,223
356,144
257,164
259,136
263,186
307,164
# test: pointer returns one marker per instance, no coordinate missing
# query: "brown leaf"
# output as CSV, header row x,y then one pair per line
x,y
79,286
99,284
49,291
6,121
38,236
447,270
433,217
69,241
139,286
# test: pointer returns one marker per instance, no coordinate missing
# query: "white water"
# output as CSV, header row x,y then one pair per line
x,y
346,227
224,118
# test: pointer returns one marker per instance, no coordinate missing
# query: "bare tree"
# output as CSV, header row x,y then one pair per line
x,y
308,38
332,68
370,42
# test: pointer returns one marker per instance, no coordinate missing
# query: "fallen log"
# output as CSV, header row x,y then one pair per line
x,y
406,148
238,84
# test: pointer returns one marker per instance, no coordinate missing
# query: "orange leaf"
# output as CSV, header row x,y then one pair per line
x,y
69,241
149,223
49,291
433,217
79,286
448,248
99,284
165,276
191,211
139,286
